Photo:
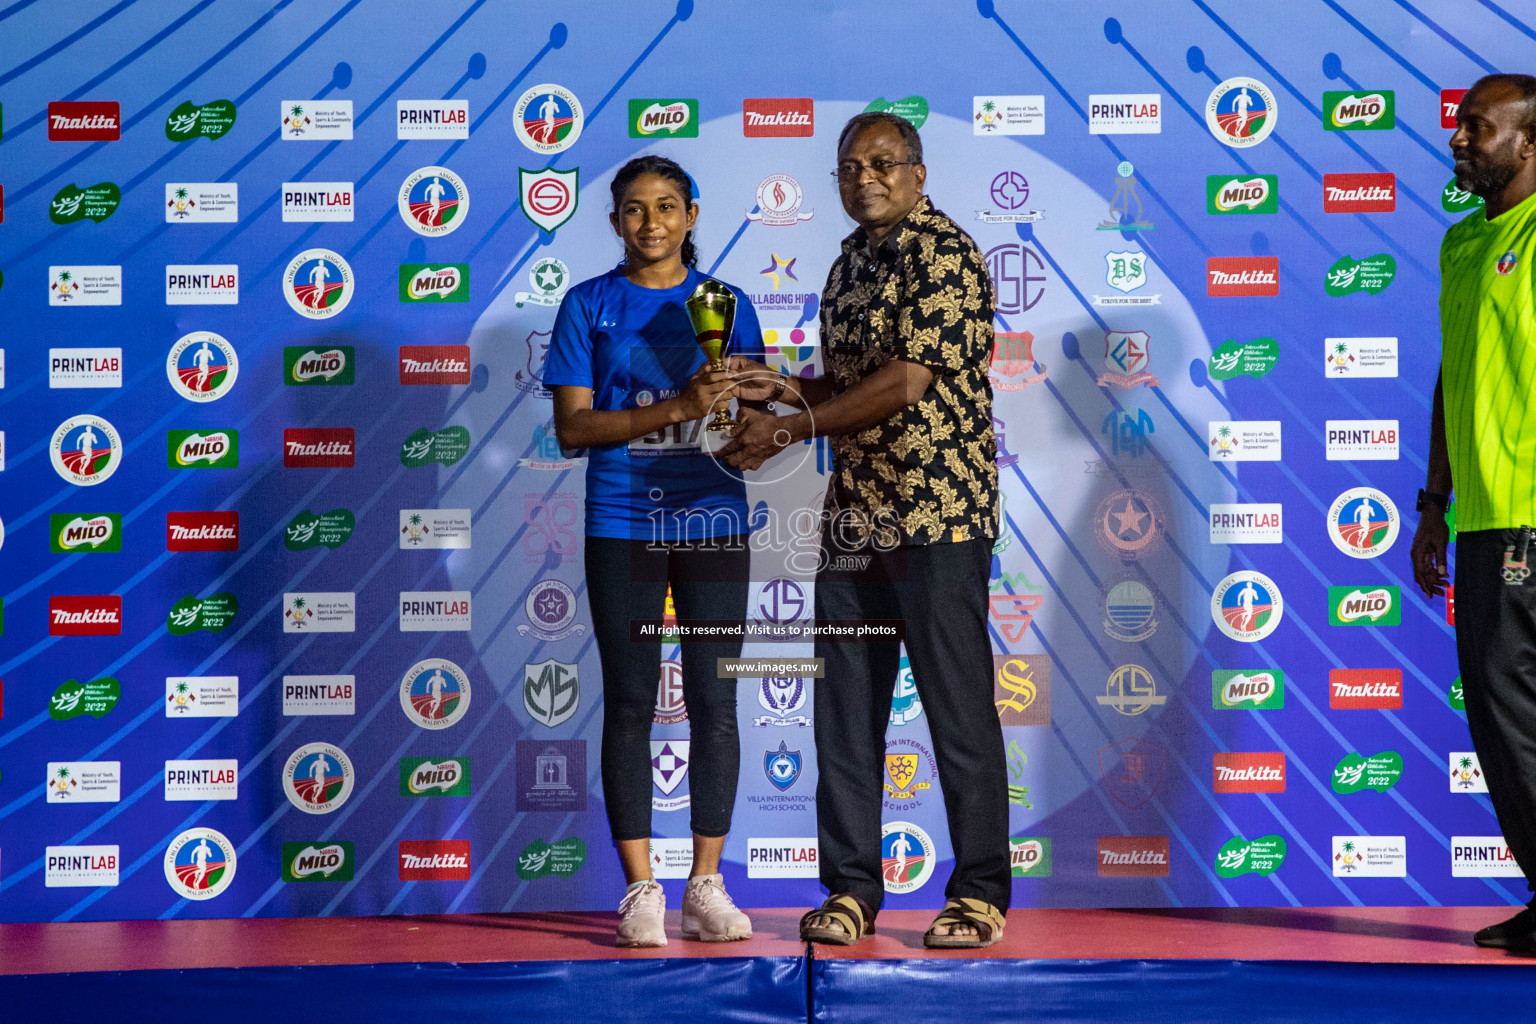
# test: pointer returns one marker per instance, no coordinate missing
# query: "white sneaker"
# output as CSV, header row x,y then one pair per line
x,y
643,909
708,913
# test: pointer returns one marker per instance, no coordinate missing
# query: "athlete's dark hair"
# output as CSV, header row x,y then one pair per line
x,y
859,122
668,169
1525,85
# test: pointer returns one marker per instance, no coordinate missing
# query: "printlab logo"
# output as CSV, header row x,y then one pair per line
x,y
202,780
548,119
211,285
432,119
326,202
1125,114
1361,440
1480,857
81,866
427,611
211,120
673,119
433,201
202,202
551,691
319,695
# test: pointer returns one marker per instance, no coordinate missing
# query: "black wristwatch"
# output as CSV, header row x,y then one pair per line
x,y
1440,501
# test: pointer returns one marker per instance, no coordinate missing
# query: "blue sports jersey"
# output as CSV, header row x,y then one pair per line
x,y
634,346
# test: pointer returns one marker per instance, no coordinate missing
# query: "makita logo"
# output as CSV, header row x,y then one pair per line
x,y
434,860
434,364
1233,276
778,118
1359,193
1248,772
84,122
319,447
1125,856
202,531
1365,688
91,615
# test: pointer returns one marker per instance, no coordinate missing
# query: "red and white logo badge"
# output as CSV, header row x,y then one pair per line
x,y
87,121
1235,276
434,364
1248,772
1360,193
778,118
88,615
1365,688
202,531
1450,103
1130,856
319,447
434,860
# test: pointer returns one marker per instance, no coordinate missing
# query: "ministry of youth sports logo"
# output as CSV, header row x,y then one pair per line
x,y
906,857
202,366
1247,606
1362,522
317,284
433,201
318,778
548,118
86,450
1241,112
434,693
200,864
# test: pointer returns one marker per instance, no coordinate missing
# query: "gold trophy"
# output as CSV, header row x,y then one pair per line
x,y
712,311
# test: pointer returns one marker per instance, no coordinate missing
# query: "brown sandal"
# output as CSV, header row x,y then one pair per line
x,y
981,915
852,917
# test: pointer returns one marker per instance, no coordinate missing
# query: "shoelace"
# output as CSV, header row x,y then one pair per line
x,y
644,893
711,895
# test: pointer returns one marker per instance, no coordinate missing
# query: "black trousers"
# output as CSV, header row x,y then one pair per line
x,y
940,590
1496,652
627,579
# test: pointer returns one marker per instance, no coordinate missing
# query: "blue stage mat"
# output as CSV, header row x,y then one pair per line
x,y
1173,991
752,990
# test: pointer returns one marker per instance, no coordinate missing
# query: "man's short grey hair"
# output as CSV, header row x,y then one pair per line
x,y
859,122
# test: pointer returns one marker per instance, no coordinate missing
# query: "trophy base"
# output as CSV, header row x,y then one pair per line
x,y
711,441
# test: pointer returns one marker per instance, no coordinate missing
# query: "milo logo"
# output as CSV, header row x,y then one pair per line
x,y
1370,275
318,365
1225,194
192,449
308,530
191,614
96,203
424,447
1239,856
1251,358
1380,772
1356,606
86,534
1030,856
541,860
209,121
426,776
75,698
1263,691
1358,111
318,862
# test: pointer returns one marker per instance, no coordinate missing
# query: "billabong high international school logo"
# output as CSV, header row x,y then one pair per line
x,y
1241,112
202,366
433,201
1246,606
549,196
318,778
906,857
317,284
434,693
200,864
86,450
548,118
1363,522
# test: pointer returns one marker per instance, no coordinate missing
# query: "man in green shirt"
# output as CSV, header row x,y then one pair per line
x,y
1483,441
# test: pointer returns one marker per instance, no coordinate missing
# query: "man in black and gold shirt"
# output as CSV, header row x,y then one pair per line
x,y
909,523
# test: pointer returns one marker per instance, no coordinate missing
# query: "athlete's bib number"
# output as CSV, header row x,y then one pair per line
x,y
672,440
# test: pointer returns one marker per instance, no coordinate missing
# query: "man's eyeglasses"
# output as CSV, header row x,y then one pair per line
x,y
851,171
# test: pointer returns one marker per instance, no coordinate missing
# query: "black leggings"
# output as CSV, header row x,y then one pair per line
x,y
627,579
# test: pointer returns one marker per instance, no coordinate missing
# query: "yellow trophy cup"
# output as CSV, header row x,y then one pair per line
x,y
712,311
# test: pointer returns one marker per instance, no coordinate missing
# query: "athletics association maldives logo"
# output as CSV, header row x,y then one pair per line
x,y
1241,112
1247,606
434,693
433,201
1363,522
200,864
906,856
548,119
86,450
317,284
202,366
549,196
318,778
1506,264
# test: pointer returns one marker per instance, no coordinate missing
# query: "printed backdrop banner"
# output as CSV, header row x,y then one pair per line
x,y
294,617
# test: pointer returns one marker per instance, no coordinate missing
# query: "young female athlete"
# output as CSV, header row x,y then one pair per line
x,y
632,386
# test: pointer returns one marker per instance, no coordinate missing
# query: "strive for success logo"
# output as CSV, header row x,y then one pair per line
x,y
1240,112
317,284
1247,606
433,201
86,450
202,366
